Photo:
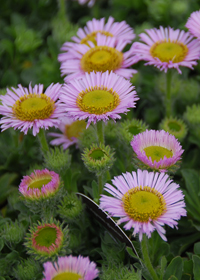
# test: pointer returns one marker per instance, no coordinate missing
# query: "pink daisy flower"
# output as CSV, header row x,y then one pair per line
x,y
144,201
120,30
158,150
193,24
167,48
90,2
69,267
98,96
40,184
105,55
70,132
25,108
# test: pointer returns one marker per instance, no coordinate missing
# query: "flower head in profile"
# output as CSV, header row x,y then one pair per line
x,y
69,267
70,132
24,108
167,48
105,55
47,240
40,184
144,201
193,24
120,30
157,150
98,96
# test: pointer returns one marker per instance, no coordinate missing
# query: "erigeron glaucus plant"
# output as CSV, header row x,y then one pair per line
x,y
98,97
144,201
31,108
105,55
47,240
156,150
193,23
166,48
120,30
89,2
70,267
69,134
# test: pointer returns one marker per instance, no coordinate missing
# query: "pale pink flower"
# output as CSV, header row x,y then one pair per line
x,y
31,108
167,48
144,201
98,96
193,24
106,54
71,267
70,131
120,30
157,149
39,184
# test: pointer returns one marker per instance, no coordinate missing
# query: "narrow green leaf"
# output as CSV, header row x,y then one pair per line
x,y
196,267
192,184
197,248
175,268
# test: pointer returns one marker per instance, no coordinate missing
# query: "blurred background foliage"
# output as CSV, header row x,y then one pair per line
x,y
31,35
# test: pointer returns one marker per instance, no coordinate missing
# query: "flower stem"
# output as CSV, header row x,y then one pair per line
x,y
146,258
100,132
43,141
100,183
168,93
62,8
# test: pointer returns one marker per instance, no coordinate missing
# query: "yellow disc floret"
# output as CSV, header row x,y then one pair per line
x,y
92,37
101,59
169,51
98,101
30,107
38,184
157,153
74,129
144,204
67,276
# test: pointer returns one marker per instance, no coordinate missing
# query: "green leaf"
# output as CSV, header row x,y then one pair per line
x,y
157,248
197,248
1,244
175,268
163,264
173,278
192,184
187,270
131,253
182,243
196,267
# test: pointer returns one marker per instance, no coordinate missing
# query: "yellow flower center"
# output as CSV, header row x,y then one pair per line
x,y
67,276
38,184
97,100
157,153
169,51
46,236
74,129
101,59
144,204
92,37
30,107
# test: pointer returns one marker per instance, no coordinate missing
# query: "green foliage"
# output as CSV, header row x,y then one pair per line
x,y
31,35
57,160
